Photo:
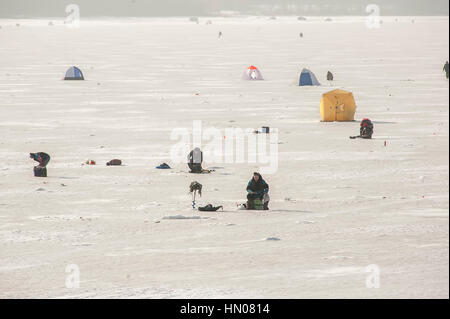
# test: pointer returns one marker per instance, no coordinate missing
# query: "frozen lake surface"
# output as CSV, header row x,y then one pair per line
x,y
337,205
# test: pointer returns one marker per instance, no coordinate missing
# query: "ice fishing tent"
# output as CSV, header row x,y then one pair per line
x,y
252,73
74,73
337,105
307,78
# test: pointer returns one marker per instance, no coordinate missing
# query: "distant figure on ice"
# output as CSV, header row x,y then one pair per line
x,y
220,34
446,69
301,34
365,130
330,76
195,159
257,193
43,159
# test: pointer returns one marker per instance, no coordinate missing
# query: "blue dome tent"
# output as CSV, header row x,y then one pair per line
x,y
74,73
307,78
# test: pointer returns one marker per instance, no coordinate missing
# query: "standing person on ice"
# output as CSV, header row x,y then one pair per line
x,y
446,69
257,188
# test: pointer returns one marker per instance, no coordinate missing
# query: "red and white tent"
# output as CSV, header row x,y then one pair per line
x,y
252,73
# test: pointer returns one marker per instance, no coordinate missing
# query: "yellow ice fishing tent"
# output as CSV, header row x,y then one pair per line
x,y
337,105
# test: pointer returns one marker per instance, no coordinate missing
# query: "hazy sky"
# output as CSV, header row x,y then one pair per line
x,y
56,8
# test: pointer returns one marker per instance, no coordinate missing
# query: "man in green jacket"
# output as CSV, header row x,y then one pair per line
x,y
257,189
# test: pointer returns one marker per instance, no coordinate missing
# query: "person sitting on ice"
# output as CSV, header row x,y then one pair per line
x,y
195,159
257,193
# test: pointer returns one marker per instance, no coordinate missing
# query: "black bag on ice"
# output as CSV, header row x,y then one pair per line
x,y
209,208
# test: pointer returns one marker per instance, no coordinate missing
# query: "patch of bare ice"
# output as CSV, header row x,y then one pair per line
x,y
339,257
147,205
335,272
185,217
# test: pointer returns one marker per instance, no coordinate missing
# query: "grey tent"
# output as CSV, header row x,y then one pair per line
x,y
74,73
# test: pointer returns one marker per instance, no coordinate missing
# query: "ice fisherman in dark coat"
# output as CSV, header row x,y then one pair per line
x,y
195,159
257,188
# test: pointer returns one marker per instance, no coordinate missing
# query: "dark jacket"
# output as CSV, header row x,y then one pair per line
x,y
195,157
329,76
41,157
260,187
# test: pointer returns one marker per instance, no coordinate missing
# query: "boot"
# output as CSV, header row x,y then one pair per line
x,y
266,206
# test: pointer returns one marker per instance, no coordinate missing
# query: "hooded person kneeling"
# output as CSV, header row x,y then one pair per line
x,y
365,130
257,193
195,159
43,159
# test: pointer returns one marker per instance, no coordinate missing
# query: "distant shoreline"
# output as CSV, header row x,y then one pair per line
x,y
293,17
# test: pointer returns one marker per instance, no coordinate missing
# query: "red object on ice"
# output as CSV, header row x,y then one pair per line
x,y
252,67
385,143
364,123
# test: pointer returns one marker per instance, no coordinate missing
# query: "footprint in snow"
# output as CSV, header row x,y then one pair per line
x,y
305,222
185,217
338,257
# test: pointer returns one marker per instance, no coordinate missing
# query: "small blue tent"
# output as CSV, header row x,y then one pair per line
x,y
308,78
74,73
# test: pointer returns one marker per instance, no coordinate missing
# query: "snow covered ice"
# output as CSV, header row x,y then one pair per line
x,y
352,203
